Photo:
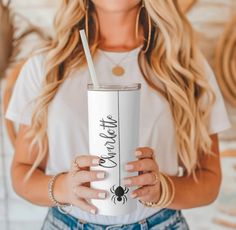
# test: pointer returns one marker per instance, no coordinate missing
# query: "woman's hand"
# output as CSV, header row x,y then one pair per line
x,y
76,184
148,178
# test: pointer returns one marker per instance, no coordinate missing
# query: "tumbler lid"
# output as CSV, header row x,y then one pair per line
x,y
115,87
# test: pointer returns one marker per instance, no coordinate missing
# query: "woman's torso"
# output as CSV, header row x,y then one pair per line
x,y
68,126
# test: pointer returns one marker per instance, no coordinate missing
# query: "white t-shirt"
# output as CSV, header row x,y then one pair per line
x,y
68,124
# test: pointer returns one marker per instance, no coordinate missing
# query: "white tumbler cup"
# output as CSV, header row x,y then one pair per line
x,y
113,116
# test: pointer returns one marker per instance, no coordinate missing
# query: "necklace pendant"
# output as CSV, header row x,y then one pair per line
x,y
118,71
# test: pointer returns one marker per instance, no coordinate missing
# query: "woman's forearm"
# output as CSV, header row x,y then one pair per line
x,y
191,194
35,189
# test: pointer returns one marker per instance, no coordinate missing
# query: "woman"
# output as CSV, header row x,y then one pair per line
x,y
182,110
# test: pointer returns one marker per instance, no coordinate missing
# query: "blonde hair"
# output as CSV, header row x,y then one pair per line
x,y
173,58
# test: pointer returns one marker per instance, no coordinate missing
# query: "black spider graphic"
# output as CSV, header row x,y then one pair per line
x,y
119,194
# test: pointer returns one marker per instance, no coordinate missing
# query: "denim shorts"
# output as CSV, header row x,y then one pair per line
x,y
165,219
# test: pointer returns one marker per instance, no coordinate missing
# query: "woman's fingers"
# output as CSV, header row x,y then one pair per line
x,y
141,180
146,192
144,152
83,161
83,176
84,205
89,193
146,164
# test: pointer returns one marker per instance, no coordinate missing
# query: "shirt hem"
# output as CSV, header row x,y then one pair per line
x,y
90,219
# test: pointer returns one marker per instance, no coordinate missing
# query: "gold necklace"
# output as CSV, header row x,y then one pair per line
x,y
117,69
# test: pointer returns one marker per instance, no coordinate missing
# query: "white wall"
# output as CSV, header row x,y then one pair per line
x,y
15,213
209,17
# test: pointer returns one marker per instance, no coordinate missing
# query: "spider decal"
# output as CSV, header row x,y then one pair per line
x,y
119,194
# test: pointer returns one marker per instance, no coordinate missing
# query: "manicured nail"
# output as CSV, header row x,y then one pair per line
x,y
127,181
102,195
129,167
133,195
95,161
101,175
93,211
138,153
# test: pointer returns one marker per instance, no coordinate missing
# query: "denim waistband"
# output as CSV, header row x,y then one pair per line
x,y
162,217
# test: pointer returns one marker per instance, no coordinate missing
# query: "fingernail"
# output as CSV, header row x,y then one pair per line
x,y
138,153
102,195
95,161
101,175
129,167
133,195
93,211
127,181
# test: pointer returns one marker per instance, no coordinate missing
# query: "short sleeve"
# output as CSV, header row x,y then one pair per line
x,y
218,118
25,90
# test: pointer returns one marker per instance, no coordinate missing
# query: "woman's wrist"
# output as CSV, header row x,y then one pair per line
x,y
62,207
167,193
59,189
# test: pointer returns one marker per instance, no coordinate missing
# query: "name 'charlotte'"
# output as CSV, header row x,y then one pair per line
x,y
109,135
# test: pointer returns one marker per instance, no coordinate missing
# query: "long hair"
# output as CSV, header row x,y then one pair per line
x,y
172,57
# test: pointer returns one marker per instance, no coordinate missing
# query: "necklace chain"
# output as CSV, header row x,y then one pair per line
x,y
114,63
117,70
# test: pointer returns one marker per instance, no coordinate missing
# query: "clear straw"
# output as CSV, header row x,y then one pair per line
x,y
89,58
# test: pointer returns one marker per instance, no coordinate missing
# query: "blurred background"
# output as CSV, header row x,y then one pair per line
x,y
25,24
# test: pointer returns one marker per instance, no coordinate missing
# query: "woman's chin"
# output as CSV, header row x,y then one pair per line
x,y
115,6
